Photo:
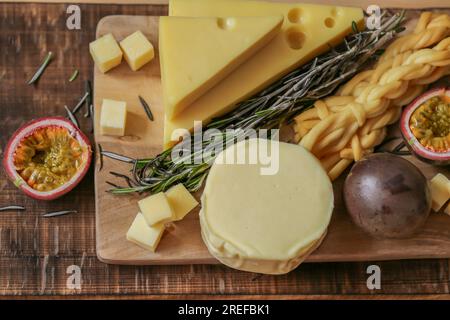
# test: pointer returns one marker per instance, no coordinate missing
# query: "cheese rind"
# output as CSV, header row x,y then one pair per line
x,y
113,117
144,235
181,201
440,191
265,223
106,52
156,209
196,53
137,50
303,36
261,265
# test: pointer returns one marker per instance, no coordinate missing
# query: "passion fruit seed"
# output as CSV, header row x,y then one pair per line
x,y
430,123
48,158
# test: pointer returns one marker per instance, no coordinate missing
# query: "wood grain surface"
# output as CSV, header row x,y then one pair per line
x,y
182,243
36,252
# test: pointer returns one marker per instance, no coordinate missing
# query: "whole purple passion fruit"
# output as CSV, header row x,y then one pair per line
x,y
387,196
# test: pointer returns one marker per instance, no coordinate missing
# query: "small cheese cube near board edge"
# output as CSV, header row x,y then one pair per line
x,y
143,235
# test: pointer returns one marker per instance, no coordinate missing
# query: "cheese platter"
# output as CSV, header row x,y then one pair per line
x,y
257,134
182,241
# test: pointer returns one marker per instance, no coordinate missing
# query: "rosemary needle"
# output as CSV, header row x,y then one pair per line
x,y
12,208
126,178
80,103
58,213
91,114
41,69
146,108
72,117
354,27
88,89
74,75
114,185
118,157
100,152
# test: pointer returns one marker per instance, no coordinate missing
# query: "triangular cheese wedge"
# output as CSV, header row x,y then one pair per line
x,y
308,30
196,53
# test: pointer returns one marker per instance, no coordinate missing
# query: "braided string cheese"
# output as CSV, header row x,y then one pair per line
x,y
343,128
429,30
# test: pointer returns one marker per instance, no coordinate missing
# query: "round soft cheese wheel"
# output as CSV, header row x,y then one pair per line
x,y
265,210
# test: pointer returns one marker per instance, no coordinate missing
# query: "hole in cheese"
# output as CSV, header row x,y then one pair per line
x,y
295,38
329,22
295,15
334,12
226,23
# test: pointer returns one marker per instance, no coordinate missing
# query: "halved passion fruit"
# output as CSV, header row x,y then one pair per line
x,y
425,126
47,158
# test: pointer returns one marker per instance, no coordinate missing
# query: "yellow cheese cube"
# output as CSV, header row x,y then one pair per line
x,y
308,30
156,209
181,201
137,50
440,191
143,235
197,53
106,52
113,117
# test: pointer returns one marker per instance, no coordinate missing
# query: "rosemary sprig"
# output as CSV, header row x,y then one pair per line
x,y
41,69
74,75
286,98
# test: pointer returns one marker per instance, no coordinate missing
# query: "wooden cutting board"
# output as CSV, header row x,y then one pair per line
x,y
182,243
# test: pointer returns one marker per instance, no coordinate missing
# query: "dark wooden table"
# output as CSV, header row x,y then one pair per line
x,y
35,252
